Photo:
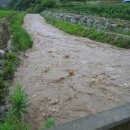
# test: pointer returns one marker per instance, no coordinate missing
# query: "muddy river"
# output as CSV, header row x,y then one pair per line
x,y
67,77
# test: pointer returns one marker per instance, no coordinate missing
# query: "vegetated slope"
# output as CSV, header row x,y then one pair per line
x,y
68,77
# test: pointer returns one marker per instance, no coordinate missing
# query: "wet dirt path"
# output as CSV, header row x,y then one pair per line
x,y
68,77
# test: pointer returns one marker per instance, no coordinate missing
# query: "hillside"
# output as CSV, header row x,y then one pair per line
x,y
4,3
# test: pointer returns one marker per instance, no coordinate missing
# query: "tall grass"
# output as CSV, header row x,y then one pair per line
x,y
21,39
98,35
18,101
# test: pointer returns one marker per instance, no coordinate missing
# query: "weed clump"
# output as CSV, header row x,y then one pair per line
x,y
18,101
49,123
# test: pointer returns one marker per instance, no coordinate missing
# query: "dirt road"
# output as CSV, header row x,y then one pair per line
x,y
68,77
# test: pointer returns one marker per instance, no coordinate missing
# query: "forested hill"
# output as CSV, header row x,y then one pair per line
x,y
4,3
33,5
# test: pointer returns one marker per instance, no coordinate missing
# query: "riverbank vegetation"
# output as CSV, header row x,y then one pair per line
x,y
17,101
101,14
18,107
101,36
21,41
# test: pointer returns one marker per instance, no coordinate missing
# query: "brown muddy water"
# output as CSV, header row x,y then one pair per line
x,y
68,77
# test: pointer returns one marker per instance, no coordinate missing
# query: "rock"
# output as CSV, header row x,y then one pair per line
x,y
2,52
127,30
113,26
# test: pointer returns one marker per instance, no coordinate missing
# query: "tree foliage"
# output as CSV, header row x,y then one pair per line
x,y
36,5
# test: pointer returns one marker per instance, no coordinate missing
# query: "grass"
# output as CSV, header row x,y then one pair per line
x,y
18,101
21,42
49,123
110,10
5,13
98,35
18,106
21,39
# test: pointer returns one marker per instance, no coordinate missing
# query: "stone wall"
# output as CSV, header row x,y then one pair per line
x,y
121,26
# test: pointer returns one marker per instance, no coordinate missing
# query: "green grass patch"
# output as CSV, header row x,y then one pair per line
x,y
98,35
49,123
5,13
18,106
21,39
18,101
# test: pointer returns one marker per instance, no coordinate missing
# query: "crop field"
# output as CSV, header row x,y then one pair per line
x,y
4,13
110,10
